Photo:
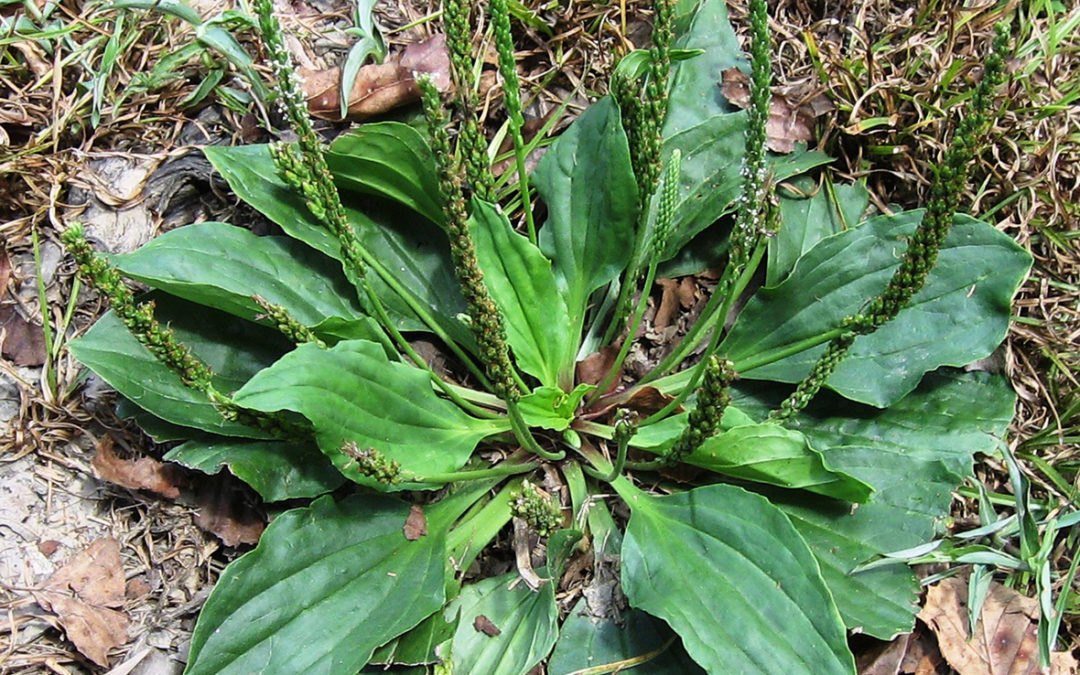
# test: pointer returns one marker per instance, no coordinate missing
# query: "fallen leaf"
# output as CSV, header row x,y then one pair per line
x,y
144,473
1005,634
136,588
415,524
224,511
914,653
48,547
82,594
23,341
595,367
5,267
379,87
669,303
648,400
792,110
484,625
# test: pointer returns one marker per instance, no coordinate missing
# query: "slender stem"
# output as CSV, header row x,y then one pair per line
x,y
503,469
425,316
46,324
418,360
764,359
523,180
525,437
624,349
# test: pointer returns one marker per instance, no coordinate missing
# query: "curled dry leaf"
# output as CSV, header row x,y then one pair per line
x,y
5,266
484,625
594,368
224,512
415,524
1005,634
379,88
144,473
83,594
675,294
221,511
23,340
791,111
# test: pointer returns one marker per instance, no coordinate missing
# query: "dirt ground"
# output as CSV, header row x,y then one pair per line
x,y
137,172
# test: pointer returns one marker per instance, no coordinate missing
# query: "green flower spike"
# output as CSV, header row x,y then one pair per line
x,y
921,254
372,463
471,140
484,316
285,323
138,317
712,399
540,510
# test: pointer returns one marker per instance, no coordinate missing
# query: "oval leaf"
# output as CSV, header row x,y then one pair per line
x,y
913,454
415,252
326,585
763,453
277,470
223,265
521,283
237,350
354,393
503,626
757,603
588,185
623,638
392,160
961,315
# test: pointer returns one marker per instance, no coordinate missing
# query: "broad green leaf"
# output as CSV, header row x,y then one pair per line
x,y
806,220
757,603
551,407
588,185
526,620
913,454
694,84
354,393
392,160
277,470
233,348
763,453
416,253
250,172
521,284
961,315
617,638
335,329
710,178
417,646
223,266
771,454
326,585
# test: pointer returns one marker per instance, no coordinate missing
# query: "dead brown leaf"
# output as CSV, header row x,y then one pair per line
x,y
415,524
791,112
379,88
224,512
83,594
675,294
23,341
484,625
914,653
144,473
595,367
648,400
1005,635
5,271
